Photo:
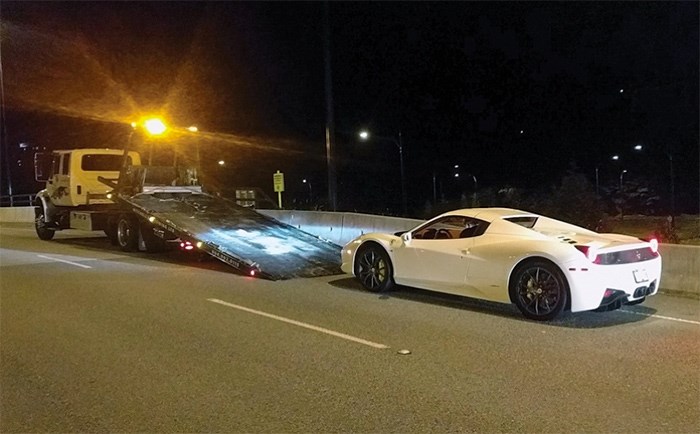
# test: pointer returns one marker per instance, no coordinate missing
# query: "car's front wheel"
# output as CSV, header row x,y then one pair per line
x,y
540,290
373,268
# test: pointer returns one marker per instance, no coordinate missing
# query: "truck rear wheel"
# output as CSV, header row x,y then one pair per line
x,y
111,232
151,241
42,230
127,233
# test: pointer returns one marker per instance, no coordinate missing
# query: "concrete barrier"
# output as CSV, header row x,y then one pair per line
x,y
339,228
681,263
681,268
17,214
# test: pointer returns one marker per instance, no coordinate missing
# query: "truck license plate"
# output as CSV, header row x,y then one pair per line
x,y
640,276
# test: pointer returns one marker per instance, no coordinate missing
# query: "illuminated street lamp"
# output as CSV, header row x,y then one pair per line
x,y
621,175
222,162
364,135
310,190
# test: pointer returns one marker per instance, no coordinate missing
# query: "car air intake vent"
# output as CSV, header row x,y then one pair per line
x,y
565,239
626,256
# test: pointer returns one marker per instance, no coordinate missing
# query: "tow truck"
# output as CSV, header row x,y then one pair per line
x,y
146,208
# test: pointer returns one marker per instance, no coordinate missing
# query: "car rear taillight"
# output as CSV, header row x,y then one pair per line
x,y
590,252
654,244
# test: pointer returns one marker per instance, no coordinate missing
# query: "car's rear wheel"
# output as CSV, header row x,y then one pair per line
x,y
539,290
373,268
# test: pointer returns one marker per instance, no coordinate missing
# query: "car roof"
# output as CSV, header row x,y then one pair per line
x,y
491,214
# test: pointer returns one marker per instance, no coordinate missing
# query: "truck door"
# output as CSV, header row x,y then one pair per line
x,y
60,180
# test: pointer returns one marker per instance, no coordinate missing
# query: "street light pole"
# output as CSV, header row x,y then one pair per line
x,y
621,175
403,177
364,135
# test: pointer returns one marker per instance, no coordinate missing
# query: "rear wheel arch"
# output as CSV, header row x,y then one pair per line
x,y
547,264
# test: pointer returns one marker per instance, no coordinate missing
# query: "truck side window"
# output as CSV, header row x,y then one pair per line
x,y
55,165
65,164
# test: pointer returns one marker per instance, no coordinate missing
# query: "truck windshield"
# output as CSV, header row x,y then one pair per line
x,y
102,162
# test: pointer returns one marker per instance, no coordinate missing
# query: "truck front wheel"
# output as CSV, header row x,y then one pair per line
x,y
42,229
127,233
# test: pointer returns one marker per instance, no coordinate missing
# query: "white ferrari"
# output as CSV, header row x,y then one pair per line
x,y
540,264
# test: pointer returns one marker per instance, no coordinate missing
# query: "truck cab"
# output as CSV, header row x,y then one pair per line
x,y
72,178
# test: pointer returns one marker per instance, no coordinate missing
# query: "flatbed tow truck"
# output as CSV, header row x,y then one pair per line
x,y
149,207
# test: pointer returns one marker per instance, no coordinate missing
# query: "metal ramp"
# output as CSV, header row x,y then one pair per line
x,y
251,242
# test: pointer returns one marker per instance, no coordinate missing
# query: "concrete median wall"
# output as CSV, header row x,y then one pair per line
x,y
17,214
340,228
681,263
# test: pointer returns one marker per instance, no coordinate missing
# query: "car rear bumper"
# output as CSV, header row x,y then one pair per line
x,y
599,286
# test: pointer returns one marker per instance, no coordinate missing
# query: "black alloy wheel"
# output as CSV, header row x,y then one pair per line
x,y
373,268
540,290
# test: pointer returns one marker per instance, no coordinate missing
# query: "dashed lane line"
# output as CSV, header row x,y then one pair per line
x,y
302,324
64,261
687,321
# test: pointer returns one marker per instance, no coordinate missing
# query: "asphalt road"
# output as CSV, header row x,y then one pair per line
x,y
95,340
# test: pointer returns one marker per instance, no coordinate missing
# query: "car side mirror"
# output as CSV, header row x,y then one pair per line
x,y
406,237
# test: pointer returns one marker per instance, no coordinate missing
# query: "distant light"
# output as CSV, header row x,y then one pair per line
x,y
133,124
155,126
221,162
638,148
151,219
522,131
615,157
252,273
456,166
24,145
622,90
456,175
304,180
364,135
192,129
199,244
109,195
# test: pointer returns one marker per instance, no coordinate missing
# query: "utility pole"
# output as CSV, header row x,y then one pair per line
x,y
330,122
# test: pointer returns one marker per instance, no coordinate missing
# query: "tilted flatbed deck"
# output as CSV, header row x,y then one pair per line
x,y
239,236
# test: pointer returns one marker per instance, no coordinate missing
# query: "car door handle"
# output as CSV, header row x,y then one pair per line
x,y
465,251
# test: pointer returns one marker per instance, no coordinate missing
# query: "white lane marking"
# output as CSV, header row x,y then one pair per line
x,y
302,324
661,317
64,261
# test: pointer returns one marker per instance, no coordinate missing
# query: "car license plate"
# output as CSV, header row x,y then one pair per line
x,y
640,276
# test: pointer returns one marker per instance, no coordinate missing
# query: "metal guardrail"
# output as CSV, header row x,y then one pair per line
x,y
17,200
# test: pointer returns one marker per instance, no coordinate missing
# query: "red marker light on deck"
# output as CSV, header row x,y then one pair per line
x,y
186,245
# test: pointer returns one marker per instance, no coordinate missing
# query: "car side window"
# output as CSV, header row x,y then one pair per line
x,y
451,227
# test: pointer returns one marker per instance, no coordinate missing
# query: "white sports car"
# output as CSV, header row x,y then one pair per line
x,y
505,255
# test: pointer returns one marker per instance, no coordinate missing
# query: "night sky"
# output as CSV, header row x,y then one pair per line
x,y
515,93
